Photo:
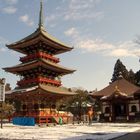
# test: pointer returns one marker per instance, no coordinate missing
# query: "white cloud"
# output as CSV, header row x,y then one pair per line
x,y
83,15
9,10
123,49
71,32
3,41
81,9
3,49
82,4
98,45
25,18
120,52
77,10
51,18
11,1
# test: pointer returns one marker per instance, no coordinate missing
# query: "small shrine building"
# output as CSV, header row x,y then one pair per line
x,y
40,86
119,101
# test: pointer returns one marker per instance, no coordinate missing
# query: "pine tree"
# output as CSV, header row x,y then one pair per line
x,y
6,110
131,77
137,78
119,69
76,104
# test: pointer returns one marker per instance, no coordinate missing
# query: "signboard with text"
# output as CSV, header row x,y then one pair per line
x,y
2,90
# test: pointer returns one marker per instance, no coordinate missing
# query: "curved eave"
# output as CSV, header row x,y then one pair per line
x,y
48,65
56,90
57,66
39,35
56,41
47,90
123,85
97,96
112,97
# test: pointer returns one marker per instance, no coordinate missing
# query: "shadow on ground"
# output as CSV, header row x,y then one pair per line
x,y
103,136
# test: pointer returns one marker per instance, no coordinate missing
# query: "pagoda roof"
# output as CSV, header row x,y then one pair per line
x,y
60,90
40,62
123,85
39,35
48,89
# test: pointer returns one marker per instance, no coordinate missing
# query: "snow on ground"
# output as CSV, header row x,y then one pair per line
x,y
96,131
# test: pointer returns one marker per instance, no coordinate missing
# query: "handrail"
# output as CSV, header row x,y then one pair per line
x,y
39,55
39,80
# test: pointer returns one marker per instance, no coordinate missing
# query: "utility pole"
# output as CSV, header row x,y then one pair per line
x,y
1,111
2,99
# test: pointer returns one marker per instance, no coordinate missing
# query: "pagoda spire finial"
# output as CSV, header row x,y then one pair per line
x,y
41,15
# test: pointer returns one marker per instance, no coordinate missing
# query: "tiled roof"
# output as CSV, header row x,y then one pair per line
x,y
57,90
123,85
36,35
35,63
47,88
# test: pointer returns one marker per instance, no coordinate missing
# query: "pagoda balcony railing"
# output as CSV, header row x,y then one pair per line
x,y
39,55
39,80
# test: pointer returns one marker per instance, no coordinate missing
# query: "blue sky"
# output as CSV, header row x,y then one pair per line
x,y
101,31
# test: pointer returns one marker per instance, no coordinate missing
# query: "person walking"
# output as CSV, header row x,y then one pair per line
x,y
90,115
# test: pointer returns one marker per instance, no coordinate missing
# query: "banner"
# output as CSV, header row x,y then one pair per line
x,y
2,90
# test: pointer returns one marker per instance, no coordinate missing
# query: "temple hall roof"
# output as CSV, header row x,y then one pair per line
x,y
123,85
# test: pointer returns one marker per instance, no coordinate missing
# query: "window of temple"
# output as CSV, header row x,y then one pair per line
x,y
36,106
62,107
42,106
53,106
107,110
133,108
24,107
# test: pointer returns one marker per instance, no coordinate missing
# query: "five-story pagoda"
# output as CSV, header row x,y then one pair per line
x,y
40,86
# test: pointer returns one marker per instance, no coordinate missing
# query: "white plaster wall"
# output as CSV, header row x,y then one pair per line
x,y
105,107
134,102
137,105
104,103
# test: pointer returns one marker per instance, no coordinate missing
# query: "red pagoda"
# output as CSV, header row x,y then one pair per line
x,y
40,86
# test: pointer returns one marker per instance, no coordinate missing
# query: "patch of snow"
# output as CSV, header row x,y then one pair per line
x,y
96,131
21,90
104,97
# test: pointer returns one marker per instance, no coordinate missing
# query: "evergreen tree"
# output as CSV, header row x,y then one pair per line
x,y
131,77
137,78
6,110
76,104
119,68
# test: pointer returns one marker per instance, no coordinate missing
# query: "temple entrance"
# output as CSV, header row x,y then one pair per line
x,y
119,111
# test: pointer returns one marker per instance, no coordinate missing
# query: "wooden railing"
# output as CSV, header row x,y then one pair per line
x,y
43,118
39,55
39,80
